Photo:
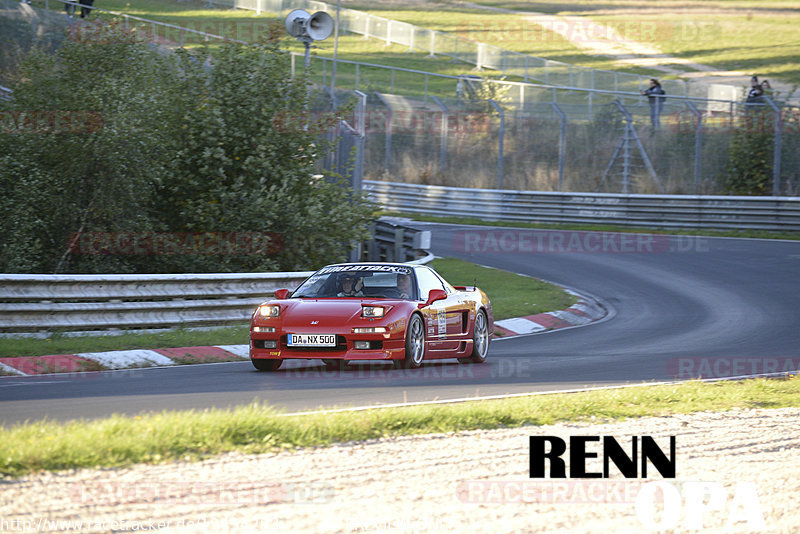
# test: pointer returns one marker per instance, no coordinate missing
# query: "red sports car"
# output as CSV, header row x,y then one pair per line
x,y
372,311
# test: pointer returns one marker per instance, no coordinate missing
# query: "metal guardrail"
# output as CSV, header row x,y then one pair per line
x,y
658,211
92,303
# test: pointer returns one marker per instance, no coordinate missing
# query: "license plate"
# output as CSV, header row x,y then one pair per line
x,y
312,340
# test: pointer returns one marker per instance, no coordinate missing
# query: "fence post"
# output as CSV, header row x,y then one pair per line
x,y
562,144
500,143
443,147
387,133
776,158
698,142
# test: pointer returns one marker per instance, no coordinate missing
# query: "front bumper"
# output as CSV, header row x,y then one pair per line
x,y
381,347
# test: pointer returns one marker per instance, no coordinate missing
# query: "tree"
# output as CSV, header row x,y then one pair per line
x,y
181,144
83,146
248,160
749,168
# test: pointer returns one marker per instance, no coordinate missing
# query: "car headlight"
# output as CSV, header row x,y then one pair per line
x,y
269,310
263,329
370,330
372,311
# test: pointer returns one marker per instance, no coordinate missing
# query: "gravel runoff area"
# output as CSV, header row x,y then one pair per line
x,y
474,481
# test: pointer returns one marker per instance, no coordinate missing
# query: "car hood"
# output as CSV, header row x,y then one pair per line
x,y
333,312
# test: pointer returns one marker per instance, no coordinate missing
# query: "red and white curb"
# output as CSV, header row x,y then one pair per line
x,y
585,311
121,359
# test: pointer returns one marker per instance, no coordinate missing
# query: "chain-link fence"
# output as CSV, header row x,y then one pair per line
x,y
526,137
466,131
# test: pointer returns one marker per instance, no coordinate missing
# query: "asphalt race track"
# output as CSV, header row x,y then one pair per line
x,y
676,303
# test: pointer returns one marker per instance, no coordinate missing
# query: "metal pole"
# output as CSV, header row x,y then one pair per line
x,y
698,142
562,144
443,146
335,54
388,132
776,158
502,132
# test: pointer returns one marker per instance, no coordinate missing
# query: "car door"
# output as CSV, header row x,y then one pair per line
x,y
443,318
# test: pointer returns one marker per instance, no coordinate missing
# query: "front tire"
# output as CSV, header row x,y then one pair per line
x,y
480,340
267,365
415,344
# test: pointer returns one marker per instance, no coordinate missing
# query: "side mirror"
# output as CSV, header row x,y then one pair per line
x,y
436,294
282,294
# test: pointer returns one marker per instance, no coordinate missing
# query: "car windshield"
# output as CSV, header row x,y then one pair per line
x,y
367,281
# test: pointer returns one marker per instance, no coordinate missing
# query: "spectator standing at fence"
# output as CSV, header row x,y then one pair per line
x,y
70,9
86,8
655,95
756,94
766,88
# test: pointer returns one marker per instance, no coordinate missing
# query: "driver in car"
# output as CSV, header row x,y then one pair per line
x,y
404,286
351,285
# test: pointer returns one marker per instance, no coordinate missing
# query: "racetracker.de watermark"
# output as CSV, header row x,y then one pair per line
x,y
658,504
200,524
175,243
49,121
576,242
162,492
547,491
493,368
401,122
724,367
583,31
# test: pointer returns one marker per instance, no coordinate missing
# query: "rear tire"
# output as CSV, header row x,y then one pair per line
x,y
480,340
266,365
415,344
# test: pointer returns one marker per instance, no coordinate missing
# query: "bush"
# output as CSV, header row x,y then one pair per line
x,y
182,144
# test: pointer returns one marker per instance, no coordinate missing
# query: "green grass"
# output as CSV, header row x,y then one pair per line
x,y
512,295
191,435
759,37
753,234
60,344
474,24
